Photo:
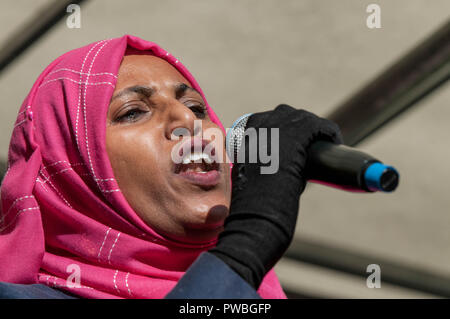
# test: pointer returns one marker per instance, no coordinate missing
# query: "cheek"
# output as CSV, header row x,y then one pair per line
x,y
134,156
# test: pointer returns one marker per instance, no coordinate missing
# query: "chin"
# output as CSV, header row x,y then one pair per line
x,y
206,222
208,209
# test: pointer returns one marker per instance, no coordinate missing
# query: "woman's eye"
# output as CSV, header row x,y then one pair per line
x,y
131,116
199,111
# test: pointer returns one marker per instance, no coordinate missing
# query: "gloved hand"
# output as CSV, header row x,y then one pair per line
x,y
264,207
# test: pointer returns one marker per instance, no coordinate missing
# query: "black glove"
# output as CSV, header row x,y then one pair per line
x,y
264,207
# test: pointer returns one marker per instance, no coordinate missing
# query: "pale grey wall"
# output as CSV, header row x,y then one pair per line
x,y
250,56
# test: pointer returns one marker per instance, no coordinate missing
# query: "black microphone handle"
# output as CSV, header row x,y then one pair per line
x,y
338,165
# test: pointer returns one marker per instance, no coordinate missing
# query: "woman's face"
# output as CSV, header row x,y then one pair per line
x,y
150,101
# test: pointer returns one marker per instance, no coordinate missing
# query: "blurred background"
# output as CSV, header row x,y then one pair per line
x,y
385,86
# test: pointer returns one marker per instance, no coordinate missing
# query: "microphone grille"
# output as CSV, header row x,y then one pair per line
x,y
235,135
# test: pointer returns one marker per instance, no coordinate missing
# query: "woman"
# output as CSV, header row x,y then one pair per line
x,y
93,204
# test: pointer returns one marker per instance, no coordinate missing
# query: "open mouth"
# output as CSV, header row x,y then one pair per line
x,y
197,166
197,163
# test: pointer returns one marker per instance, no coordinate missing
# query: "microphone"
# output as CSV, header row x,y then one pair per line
x,y
333,165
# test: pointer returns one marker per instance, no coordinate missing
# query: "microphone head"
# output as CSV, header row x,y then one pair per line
x,y
235,135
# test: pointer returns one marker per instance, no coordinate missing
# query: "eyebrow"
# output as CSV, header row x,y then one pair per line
x,y
147,91
181,88
140,89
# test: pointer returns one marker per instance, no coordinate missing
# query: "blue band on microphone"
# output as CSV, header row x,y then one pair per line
x,y
373,175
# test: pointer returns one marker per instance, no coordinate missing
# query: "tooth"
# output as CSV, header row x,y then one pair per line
x,y
196,156
206,158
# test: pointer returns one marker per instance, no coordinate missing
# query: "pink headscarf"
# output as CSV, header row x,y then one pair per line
x,y
63,214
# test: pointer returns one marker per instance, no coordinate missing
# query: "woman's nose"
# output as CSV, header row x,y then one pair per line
x,y
181,121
